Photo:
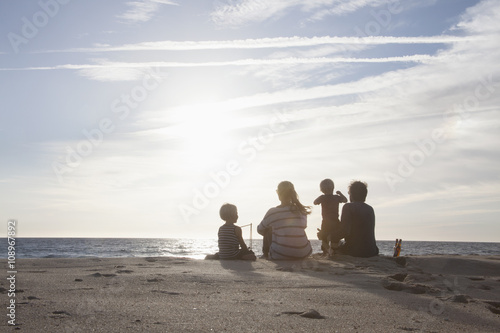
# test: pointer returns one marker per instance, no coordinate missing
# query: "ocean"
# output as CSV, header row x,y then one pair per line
x,y
199,248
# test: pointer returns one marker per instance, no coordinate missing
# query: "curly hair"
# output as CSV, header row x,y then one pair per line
x,y
358,190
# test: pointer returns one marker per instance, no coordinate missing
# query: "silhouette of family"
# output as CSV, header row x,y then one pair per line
x,y
283,227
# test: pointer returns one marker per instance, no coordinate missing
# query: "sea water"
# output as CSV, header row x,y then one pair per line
x,y
199,248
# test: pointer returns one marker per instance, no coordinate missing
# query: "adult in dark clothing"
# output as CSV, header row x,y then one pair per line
x,y
358,224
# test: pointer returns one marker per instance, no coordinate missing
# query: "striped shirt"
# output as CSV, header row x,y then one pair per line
x,y
289,240
229,246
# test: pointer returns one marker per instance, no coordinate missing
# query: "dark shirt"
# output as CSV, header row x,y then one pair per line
x,y
330,206
358,229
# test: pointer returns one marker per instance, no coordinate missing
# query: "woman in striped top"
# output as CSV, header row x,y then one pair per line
x,y
283,227
230,237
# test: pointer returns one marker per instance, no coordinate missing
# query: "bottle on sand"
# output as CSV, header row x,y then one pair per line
x,y
397,248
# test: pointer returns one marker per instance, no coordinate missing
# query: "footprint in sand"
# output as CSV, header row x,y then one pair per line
x,y
60,314
155,280
100,275
475,278
166,292
394,283
493,306
484,287
398,277
460,299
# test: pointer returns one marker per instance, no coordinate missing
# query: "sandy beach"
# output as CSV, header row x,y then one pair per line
x,y
346,294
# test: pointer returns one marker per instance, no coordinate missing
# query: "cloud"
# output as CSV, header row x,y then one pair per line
x,y
143,11
275,65
108,74
252,11
127,71
276,42
313,48
481,19
244,12
339,8
454,193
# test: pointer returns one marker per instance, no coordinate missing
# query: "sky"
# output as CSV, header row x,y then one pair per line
x,y
141,118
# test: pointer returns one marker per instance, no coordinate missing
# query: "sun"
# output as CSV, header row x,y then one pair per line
x,y
207,132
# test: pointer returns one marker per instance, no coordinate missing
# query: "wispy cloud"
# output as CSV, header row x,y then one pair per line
x,y
276,42
242,62
248,11
462,192
251,11
312,50
142,11
107,74
338,8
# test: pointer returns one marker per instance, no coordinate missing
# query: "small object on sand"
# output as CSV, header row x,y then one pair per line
x,y
397,248
312,314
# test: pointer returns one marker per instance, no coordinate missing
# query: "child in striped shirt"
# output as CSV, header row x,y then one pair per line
x,y
230,236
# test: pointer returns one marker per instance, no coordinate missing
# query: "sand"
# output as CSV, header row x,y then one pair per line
x,y
346,294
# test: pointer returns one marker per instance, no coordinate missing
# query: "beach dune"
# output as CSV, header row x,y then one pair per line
x,y
346,294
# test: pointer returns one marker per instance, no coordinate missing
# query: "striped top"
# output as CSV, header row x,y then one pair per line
x,y
289,240
229,246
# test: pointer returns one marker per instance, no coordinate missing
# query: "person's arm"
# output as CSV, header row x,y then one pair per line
x,y
237,231
262,227
318,200
342,197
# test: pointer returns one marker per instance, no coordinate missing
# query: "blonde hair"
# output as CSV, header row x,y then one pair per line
x,y
228,211
287,194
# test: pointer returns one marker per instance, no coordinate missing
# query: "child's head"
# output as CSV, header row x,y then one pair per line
x,y
326,186
358,191
228,213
